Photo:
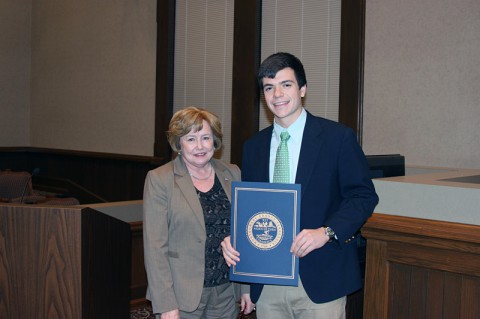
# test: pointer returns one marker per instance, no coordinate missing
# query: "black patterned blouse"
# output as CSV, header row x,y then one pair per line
x,y
216,211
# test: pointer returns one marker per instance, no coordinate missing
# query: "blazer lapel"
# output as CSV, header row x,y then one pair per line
x,y
263,171
224,176
310,151
185,184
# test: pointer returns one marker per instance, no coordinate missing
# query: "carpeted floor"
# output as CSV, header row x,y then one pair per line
x,y
146,313
142,313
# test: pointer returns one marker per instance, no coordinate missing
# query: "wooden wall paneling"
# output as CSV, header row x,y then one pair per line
x,y
418,292
420,268
376,283
434,298
399,291
110,177
13,158
452,292
470,287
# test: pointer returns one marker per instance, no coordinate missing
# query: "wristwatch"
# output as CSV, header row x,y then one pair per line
x,y
330,233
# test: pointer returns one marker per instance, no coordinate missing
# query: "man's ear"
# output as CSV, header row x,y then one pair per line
x,y
303,91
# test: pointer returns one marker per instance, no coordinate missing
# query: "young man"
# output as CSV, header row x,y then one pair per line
x,y
337,197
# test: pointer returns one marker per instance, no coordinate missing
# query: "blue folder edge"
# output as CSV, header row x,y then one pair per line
x,y
265,218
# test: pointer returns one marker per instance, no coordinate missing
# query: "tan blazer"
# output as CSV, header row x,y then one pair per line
x,y
174,235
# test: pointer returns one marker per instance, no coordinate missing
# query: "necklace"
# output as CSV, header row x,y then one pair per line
x,y
205,178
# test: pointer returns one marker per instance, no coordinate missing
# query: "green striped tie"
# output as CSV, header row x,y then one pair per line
x,y
281,172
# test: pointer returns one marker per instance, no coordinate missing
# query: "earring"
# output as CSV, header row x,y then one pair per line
x,y
180,153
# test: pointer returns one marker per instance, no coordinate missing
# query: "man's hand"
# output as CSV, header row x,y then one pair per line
x,y
229,253
172,314
308,240
246,304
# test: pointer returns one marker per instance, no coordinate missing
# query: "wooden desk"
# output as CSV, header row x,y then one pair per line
x,y
131,213
424,263
63,262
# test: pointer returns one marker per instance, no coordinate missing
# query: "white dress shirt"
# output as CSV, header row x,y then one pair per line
x,y
294,144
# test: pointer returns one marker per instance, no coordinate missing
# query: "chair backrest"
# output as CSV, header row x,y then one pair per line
x,y
12,184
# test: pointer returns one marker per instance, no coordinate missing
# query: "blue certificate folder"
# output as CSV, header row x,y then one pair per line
x,y
265,220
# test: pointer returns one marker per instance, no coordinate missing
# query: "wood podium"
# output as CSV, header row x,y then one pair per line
x,y
421,267
59,262
131,212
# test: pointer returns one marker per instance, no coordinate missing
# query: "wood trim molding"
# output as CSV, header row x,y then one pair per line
x,y
351,65
398,228
246,60
164,75
74,153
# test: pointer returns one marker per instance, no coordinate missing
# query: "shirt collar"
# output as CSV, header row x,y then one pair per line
x,y
295,130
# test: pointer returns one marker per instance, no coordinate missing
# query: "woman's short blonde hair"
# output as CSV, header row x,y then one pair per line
x,y
191,119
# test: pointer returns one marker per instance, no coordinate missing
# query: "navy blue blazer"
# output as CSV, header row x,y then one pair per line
x,y
336,191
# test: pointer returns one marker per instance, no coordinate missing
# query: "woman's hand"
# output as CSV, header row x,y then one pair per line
x,y
246,304
172,314
229,253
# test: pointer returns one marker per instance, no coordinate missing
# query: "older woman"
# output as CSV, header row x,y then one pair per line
x,y
186,215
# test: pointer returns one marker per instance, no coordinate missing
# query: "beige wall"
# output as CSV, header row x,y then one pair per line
x,y
422,81
92,74
93,77
15,26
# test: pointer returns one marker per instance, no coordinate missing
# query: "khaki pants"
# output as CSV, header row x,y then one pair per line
x,y
286,302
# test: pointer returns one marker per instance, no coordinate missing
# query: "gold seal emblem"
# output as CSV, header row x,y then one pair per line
x,y
264,230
